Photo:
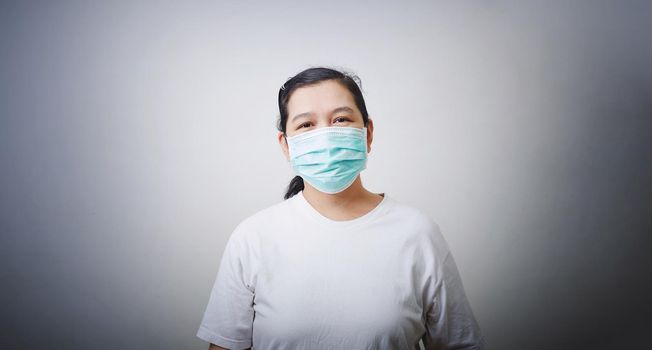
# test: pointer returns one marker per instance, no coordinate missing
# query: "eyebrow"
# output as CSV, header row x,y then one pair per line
x,y
336,110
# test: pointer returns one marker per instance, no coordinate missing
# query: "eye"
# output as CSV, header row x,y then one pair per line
x,y
306,124
342,119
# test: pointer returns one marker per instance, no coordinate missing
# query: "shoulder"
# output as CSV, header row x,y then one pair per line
x,y
422,225
414,216
262,220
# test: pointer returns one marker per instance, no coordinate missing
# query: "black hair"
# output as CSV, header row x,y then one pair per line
x,y
312,76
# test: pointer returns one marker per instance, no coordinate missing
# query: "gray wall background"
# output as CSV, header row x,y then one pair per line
x,y
134,137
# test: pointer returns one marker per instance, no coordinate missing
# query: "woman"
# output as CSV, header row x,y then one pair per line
x,y
335,266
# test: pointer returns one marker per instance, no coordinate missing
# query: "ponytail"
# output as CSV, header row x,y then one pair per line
x,y
295,186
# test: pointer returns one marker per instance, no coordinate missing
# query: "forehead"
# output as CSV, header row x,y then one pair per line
x,y
322,96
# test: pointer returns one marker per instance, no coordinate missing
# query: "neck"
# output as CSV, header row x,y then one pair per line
x,y
352,194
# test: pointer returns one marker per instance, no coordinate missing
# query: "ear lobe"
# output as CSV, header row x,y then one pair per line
x,y
370,134
283,144
370,138
282,140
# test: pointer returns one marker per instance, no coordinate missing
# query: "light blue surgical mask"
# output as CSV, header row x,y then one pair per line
x,y
329,158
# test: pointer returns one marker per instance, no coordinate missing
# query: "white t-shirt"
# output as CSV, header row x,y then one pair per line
x,y
291,278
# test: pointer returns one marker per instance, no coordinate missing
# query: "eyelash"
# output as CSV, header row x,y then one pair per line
x,y
343,118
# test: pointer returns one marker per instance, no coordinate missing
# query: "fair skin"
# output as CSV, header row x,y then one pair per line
x,y
315,107
215,347
312,107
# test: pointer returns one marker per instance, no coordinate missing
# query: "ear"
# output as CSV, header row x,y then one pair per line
x,y
370,134
284,145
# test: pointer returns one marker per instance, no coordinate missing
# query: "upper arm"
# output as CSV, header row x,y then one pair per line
x,y
228,319
450,320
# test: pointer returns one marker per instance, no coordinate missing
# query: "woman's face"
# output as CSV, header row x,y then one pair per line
x,y
327,103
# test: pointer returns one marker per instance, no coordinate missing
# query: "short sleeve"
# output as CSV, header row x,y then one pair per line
x,y
450,321
228,319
